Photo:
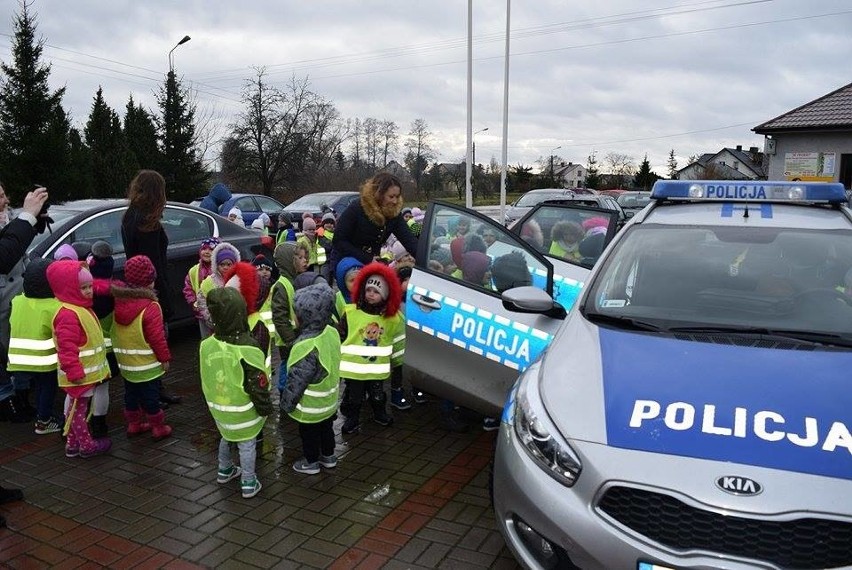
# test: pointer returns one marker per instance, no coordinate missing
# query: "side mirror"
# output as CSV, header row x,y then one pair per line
x,y
532,300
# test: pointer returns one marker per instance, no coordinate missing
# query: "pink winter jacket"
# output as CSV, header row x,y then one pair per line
x,y
129,303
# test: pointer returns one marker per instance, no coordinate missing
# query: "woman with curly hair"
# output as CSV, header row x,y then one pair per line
x,y
367,222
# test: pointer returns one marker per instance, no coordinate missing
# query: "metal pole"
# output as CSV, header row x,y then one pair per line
x,y
505,157
468,197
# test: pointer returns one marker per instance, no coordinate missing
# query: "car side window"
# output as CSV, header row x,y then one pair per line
x,y
186,226
106,227
481,253
245,204
269,206
573,234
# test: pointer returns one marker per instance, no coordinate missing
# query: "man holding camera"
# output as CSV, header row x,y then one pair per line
x,y
15,237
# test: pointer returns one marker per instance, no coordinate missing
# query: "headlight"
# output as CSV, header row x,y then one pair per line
x,y
540,438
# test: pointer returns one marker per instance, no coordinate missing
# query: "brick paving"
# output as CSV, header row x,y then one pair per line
x,y
408,496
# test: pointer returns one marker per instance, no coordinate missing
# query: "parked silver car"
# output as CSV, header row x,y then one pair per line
x,y
692,410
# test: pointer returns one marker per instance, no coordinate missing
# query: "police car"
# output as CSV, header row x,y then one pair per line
x,y
693,409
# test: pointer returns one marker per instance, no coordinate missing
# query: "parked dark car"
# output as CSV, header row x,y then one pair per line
x,y
186,226
251,206
533,197
320,202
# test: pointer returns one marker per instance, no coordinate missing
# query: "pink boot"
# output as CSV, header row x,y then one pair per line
x,y
136,422
80,428
159,428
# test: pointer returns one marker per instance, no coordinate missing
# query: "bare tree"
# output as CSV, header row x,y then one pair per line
x,y
622,166
389,139
370,131
419,149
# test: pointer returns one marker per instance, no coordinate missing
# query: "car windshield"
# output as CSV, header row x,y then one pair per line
x,y
530,199
312,202
634,200
727,279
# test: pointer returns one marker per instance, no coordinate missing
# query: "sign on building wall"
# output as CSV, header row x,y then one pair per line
x,y
809,166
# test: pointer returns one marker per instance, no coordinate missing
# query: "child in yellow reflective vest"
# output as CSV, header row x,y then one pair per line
x,y
313,377
195,276
140,346
32,352
81,353
372,331
291,259
235,386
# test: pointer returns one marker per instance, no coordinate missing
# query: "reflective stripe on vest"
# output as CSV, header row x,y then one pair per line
x,y
135,357
367,351
194,272
266,314
320,400
92,354
222,377
31,346
320,255
253,319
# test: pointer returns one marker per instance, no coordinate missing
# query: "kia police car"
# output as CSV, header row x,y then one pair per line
x,y
693,409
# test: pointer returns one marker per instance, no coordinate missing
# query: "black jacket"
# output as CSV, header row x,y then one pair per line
x,y
14,240
356,235
154,244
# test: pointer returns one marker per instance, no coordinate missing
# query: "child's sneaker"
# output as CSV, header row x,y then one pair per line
x,y
351,425
302,466
251,488
51,425
398,399
229,474
420,397
72,452
328,461
382,418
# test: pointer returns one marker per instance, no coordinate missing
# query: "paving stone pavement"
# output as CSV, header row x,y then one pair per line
x,y
407,496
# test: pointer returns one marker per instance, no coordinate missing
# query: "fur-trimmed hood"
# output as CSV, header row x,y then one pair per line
x,y
243,277
223,246
394,300
130,301
370,204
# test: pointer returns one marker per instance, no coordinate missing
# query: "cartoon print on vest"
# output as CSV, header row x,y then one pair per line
x,y
371,335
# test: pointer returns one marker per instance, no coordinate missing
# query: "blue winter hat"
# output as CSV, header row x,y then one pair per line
x,y
344,266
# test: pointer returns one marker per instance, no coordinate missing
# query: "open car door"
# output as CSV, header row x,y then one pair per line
x,y
462,342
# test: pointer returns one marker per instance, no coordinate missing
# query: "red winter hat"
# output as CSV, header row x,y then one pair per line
x,y
139,271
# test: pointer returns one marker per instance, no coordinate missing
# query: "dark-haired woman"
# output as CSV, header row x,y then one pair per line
x,y
143,234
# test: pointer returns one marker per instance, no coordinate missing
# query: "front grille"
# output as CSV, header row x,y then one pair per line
x,y
802,543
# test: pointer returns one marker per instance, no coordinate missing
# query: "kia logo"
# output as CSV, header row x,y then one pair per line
x,y
742,486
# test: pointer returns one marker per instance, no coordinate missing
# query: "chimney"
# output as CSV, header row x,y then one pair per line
x,y
739,147
752,149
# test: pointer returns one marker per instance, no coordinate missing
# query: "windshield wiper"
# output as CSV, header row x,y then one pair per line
x,y
623,322
806,337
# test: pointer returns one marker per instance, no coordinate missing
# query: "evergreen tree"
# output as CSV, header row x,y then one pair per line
x,y
182,167
645,178
79,173
112,163
140,132
34,128
593,177
672,165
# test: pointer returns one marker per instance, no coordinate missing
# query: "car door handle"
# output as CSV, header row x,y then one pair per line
x,y
428,303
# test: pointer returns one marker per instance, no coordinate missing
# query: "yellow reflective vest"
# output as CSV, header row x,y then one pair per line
x,y
222,379
373,344
135,357
92,354
320,401
31,346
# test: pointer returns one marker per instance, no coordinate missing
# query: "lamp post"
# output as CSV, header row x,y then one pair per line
x,y
171,59
473,144
553,174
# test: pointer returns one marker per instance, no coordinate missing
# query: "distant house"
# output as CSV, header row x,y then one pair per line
x,y
812,142
727,164
570,175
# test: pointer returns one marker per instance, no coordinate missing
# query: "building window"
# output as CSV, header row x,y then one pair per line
x,y
736,166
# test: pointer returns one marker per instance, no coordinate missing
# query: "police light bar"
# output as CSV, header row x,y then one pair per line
x,y
751,191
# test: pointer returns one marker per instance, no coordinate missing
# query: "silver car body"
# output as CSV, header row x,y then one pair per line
x,y
725,444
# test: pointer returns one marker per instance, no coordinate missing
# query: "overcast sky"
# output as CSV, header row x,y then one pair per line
x,y
608,76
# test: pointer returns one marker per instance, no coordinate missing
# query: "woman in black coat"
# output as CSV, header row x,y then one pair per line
x,y
143,234
367,223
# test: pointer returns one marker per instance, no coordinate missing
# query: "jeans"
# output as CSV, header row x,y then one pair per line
x,y
248,454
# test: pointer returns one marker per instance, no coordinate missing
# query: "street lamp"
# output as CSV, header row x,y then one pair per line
x,y
171,60
552,173
473,145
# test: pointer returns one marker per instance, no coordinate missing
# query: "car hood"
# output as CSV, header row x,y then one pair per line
x,y
768,407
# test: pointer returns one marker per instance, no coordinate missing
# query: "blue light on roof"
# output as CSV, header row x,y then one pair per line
x,y
750,191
